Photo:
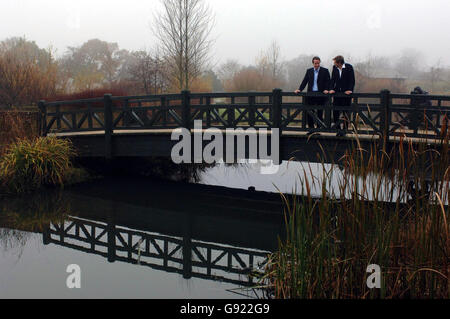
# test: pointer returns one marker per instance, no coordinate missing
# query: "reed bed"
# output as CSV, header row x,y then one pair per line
x,y
391,210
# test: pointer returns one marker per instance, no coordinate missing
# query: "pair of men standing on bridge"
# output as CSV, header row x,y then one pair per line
x,y
318,80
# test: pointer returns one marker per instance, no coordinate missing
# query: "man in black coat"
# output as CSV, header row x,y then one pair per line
x,y
342,81
318,80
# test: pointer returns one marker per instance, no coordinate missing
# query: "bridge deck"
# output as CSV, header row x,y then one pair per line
x,y
321,135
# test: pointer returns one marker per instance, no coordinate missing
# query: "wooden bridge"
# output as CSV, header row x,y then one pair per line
x,y
141,126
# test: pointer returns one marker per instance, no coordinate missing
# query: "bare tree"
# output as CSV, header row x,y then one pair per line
x,y
183,29
270,67
409,62
273,57
228,70
435,74
262,64
295,71
373,66
150,71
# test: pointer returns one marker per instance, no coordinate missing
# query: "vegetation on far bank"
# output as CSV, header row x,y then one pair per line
x,y
29,73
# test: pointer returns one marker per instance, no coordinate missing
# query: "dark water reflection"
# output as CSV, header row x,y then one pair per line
x,y
134,238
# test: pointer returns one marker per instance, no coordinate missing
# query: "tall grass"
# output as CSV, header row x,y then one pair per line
x,y
29,164
390,210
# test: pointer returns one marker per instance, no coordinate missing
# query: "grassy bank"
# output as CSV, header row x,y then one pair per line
x,y
29,164
28,161
403,228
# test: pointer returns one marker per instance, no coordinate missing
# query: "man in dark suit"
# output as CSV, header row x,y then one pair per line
x,y
342,81
318,80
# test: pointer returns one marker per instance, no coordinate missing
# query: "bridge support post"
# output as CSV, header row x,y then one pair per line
x,y
251,110
187,247
111,227
46,234
108,126
277,120
385,118
231,114
276,108
186,109
327,112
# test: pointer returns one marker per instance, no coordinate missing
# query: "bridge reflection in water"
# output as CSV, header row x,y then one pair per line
x,y
226,244
181,255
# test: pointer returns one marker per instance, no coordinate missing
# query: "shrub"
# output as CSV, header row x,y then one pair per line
x,y
30,164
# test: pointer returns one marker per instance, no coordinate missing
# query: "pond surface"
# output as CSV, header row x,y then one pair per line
x,y
292,177
137,238
288,177
145,238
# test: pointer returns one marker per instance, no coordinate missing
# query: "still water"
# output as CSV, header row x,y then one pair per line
x,y
147,238
139,238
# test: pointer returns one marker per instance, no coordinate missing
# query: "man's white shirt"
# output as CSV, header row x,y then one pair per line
x,y
340,70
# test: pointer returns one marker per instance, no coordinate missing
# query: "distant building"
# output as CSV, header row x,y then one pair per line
x,y
376,84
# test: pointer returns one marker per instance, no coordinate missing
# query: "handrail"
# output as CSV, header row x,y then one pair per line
x,y
247,94
91,100
381,116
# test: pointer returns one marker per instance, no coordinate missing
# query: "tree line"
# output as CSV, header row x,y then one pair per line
x,y
29,73
181,60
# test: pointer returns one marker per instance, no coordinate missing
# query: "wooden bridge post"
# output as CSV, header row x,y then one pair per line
x,y
251,110
187,246
58,116
108,119
46,234
163,110
327,112
208,112
276,109
231,114
385,118
186,109
42,120
277,120
111,236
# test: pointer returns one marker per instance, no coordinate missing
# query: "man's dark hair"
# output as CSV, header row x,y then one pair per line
x,y
418,90
339,59
315,58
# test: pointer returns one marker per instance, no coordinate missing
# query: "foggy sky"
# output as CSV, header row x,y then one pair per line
x,y
243,28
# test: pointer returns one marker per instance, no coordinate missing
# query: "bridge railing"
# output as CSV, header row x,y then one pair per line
x,y
408,117
379,114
